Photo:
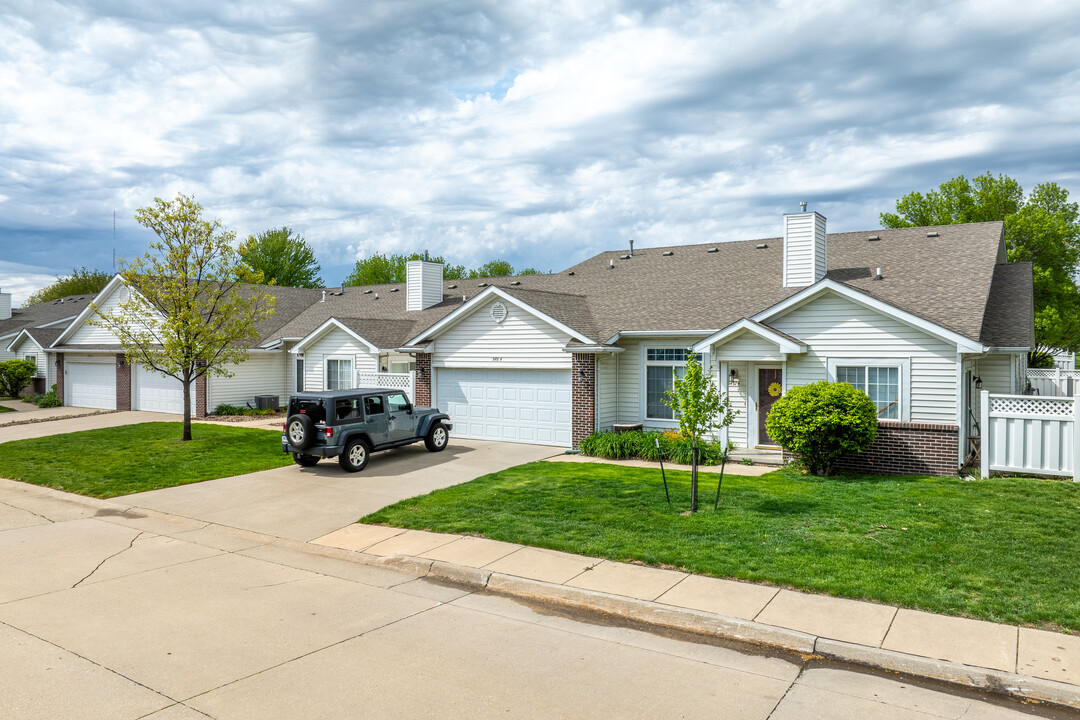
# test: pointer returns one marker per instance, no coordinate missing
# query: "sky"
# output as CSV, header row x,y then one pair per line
x,y
537,132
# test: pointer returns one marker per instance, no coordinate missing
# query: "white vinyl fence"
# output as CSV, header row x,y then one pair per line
x,y
1030,434
1056,382
396,381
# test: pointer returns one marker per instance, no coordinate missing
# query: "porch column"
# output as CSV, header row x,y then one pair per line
x,y
123,383
60,377
583,395
199,410
423,380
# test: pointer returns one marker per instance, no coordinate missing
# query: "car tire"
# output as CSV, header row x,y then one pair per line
x,y
355,456
304,460
300,430
437,438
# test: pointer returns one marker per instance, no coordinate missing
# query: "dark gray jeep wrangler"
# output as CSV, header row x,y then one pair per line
x,y
352,424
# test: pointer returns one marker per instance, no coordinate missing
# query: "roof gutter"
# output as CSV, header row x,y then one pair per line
x,y
659,333
414,349
593,349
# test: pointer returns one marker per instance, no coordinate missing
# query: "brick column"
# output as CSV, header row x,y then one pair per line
x,y
583,382
199,400
60,377
123,383
423,380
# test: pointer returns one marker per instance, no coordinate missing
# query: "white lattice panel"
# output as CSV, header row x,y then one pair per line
x,y
1041,373
394,381
1030,405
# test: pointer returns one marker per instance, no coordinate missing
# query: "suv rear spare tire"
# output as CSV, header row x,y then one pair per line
x,y
300,430
355,456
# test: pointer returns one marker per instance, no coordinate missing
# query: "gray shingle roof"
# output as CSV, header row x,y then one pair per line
x,y
43,314
1009,320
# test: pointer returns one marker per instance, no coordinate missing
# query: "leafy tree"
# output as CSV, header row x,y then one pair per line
x,y
79,282
282,259
493,268
823,422
528,271
15,375
382,269
188,313
1042,228
701,408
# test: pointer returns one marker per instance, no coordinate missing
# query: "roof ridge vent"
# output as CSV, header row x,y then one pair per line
x,y
933,233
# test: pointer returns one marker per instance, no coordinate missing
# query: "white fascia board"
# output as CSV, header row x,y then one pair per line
x,y
593,350
57,322
429,348
76,350
1008,349
963,344
786,346
326,326
80,319
18,339
471,305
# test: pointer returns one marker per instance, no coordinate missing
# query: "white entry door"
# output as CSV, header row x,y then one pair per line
x,y
158,393
526,406
91,384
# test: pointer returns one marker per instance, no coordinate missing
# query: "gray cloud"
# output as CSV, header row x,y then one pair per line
x,y
540,133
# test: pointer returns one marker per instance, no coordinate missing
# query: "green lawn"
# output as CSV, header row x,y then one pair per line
x,y
134,458
4,408
1004,549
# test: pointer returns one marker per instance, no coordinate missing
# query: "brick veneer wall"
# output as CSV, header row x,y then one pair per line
x,y
423,380
123,383
60,377
199,401
583,421
908,449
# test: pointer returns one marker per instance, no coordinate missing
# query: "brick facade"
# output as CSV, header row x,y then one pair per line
x,y
583,381
60,377
123,383
199,408
908,449
423,380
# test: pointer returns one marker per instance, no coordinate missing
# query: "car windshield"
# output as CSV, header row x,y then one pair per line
x,y
308,406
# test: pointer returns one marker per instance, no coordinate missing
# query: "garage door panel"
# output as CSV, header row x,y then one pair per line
x,y
530,406
158,393
91,384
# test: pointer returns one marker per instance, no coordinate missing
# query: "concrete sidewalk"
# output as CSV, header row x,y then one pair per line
x,y
1003,658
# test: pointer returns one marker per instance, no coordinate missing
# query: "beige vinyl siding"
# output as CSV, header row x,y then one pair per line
x,y
89,334
261,374
606,391
631,393
748,346
996,372
834,327
521,340
335,342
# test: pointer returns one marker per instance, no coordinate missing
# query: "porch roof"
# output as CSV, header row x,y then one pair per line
x,y
785,343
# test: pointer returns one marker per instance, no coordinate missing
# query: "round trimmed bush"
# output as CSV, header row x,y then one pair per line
x,y
823,422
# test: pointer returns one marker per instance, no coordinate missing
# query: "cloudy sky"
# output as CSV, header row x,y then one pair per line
x,y
539,132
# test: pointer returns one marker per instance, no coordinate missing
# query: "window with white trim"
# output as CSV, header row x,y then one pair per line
x,y
661,367
339,373
881,383
299,374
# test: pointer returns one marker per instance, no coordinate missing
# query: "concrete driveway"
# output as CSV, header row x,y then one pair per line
x,y
306,503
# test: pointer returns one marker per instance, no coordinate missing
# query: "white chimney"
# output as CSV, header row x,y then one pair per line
x,y
804,249
5,305
423,284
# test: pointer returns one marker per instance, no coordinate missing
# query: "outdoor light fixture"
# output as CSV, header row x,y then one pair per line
x,y
978,383
581,375
420,372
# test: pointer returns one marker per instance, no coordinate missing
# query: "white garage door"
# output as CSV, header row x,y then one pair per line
x,y
91,385
158,393
527,406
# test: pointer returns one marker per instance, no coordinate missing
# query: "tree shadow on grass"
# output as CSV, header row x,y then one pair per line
x,y
776,507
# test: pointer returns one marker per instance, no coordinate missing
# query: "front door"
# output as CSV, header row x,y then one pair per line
x,y
770,387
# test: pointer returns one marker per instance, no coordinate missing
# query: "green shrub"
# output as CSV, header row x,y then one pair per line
x,y
48,400
15,375
642,446
224,409
823,422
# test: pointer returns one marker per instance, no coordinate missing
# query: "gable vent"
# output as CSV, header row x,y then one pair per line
x,y
498,312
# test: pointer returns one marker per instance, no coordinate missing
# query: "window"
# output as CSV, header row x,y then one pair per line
x,y
661,366
299,374
373,405
881,383
347,408
402,367
31,359
397,402
338,373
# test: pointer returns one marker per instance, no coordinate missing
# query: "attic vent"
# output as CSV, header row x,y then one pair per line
x,y
482,285
498,312
873,238
624,257
367,292
394,289
453,287
376,296
570,273
933,234
669,253
762,246
712,250
516,282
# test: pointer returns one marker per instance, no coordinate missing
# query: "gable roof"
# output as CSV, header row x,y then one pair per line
x,y
1009,318
44,337
43,314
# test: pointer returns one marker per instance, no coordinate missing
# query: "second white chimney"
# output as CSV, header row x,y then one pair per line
x,y
423,284
804,249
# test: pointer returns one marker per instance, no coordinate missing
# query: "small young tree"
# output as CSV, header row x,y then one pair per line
x,y
15,375
188,313
823,422
701,409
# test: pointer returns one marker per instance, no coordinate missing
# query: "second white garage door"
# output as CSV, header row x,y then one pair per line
x,y
91,384
158,393
527,406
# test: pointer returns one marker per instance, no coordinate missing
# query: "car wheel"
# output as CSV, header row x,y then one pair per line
x,y
437,438
355,456
300,430
304,460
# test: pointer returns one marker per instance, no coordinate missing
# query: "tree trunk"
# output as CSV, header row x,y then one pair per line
x,y
187,407
693,475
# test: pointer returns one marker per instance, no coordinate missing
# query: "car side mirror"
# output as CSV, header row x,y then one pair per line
x,y
408,408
